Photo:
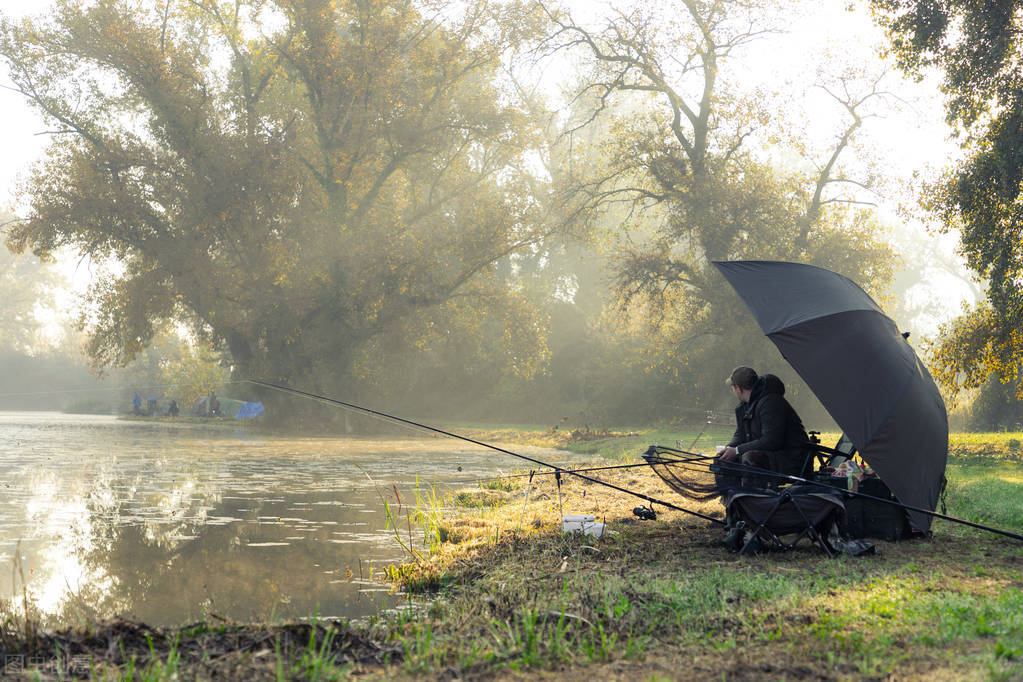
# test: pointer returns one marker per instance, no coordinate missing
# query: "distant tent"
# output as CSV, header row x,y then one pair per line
x,y
229,407
250,411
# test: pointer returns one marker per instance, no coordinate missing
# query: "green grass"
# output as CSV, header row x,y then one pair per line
x,y
848,615
1001,444
987,490
947,608
630,446
316,662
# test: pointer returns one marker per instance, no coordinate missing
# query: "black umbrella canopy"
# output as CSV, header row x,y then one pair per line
x,y
853,357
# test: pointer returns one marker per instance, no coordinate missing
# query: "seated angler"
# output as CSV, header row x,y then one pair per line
x,y
768,433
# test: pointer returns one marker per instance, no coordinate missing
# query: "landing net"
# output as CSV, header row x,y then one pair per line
x,y
689,476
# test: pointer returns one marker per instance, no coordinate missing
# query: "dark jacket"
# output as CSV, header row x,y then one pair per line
x,y
769,424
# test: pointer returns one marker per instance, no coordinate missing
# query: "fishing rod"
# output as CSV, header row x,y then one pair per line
x,y
575,471
541,473
737,467
558,471
699,435
695,457
505,477
692,456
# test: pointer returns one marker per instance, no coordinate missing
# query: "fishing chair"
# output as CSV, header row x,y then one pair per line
x,y
782,518
825,456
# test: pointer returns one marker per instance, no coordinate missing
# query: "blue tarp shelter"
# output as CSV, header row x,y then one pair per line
x,y
250,411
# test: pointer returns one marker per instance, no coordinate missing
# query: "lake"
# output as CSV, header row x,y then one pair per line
x,y
170,522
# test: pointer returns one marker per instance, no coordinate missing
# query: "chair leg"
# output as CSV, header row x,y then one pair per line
x,y
762,526
817,539
811,532
762,529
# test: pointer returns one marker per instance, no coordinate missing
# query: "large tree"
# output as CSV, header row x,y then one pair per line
x,y
291,177
26,284
976,46
694,157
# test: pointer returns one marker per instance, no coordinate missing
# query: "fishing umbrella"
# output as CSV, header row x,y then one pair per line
x,y
861,368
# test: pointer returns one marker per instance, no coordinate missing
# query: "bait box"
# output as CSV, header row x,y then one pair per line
x,y
582,524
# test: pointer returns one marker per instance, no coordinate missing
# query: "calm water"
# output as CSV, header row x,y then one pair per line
x,y
167,522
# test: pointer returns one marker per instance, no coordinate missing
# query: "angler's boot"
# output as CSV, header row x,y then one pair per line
x,y
736,536
750,544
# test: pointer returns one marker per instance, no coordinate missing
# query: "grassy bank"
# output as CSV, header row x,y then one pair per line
x,y
664,600
499,591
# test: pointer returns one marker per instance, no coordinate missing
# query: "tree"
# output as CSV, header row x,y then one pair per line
x,y
193,373
692,160
291,178
997,407
170,367
976,47
26,284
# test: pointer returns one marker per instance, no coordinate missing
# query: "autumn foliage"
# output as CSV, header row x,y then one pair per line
x,y
289,178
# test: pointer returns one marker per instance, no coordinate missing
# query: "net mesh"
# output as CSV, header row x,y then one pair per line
x,y
692,477
702,477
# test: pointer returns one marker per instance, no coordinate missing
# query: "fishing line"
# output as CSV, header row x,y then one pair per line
x,y
505,477
548,473
384,415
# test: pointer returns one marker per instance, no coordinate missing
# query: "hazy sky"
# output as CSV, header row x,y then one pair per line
x,y
911,140
837,29
21,144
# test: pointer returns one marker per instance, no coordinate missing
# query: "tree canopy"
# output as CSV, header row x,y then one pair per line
x,y
693,156
290,177
976,46
329,193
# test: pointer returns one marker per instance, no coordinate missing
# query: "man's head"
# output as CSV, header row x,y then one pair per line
x,y
741,380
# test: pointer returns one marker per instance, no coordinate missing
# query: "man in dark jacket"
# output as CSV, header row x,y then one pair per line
x,y
768,432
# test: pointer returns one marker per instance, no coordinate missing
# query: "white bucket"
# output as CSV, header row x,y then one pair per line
x,y
577,518
582,524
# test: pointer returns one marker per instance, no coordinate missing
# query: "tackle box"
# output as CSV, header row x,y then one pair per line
x,y
866,518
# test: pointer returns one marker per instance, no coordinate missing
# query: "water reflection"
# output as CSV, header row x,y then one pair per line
x,y
169,522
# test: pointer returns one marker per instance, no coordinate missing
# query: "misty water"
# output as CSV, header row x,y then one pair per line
x,y
168,522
